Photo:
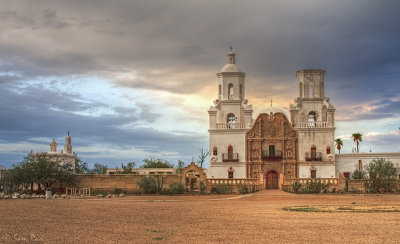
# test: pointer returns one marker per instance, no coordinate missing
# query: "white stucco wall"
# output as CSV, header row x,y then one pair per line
x,y
322,171
348,162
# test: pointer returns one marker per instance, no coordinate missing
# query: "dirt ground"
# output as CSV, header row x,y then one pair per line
x,y
256,218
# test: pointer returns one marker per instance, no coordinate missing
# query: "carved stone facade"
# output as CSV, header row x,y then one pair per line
x,y
271,146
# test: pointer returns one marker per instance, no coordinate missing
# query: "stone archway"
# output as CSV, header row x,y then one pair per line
x,y
272,180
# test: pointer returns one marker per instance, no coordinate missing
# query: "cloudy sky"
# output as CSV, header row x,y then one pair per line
x,y
134,79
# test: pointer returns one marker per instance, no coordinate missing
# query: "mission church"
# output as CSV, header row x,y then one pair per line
x,y
270,145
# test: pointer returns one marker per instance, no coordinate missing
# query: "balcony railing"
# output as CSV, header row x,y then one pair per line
x,y
272,155
316,124
230,126
230,157
313,156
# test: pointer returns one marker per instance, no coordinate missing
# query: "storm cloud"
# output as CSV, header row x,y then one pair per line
x,y
175,48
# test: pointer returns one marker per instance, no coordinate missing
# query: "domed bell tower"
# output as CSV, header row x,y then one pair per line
x,y
230,118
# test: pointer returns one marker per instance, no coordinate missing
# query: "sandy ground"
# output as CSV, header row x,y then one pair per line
x,y
256,218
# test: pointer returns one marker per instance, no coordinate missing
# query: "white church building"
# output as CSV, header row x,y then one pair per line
x,y
270,145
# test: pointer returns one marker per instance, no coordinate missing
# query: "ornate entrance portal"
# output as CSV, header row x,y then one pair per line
x,y
271,179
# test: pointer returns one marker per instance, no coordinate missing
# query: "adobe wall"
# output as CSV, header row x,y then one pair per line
x,y
126,182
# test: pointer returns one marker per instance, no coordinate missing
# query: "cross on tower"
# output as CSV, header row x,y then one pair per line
x,y
230,48
271,102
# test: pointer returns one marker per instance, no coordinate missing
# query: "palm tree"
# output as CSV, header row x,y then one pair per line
x,y
339,144
357,138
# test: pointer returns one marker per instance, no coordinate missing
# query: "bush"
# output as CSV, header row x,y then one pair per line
x,y
334,190
243,189
117,191
314,186
176,188
221,189
147,185
202,187
165,192
296,186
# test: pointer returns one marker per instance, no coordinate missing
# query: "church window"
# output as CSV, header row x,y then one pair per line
x,y
310,92
230,151
230,121
230,172
313,152
215,151
328,150
272,150
312,119
230,91
313,173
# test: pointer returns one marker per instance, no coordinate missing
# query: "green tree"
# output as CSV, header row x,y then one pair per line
x,y
357,138
180,165
202,157
381,173
127,169
99,169
156,163
81,167
358,175
339,144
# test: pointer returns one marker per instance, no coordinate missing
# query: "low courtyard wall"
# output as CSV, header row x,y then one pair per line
x,y
127,182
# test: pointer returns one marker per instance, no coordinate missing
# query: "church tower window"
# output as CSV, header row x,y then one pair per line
x,y
230,91
231,121
312,119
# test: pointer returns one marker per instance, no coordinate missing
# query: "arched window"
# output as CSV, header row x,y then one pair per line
x,y
310,92
328,150
230,121
313,152
230,91
215,151
312,119
230,151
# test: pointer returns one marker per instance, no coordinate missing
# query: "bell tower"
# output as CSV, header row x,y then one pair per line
x,y
312,116
230,118
68,145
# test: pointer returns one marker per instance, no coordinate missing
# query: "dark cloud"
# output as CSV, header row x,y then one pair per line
x,y
178,46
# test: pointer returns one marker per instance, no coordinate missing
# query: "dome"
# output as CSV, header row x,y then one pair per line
x,y
231,68
274,110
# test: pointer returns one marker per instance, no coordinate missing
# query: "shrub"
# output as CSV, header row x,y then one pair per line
x,y
147,185
117,191
243,189
202,187
334,190
314,186
296,186
221,189
176,188
165,192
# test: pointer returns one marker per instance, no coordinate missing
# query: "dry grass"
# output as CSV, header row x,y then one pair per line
x,y
256,219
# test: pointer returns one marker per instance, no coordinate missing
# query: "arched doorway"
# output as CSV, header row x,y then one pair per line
x,y
272,180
